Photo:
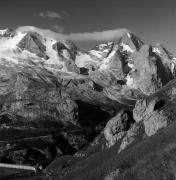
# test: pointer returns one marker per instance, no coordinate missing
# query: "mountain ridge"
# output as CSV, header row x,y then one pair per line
x,y
83,102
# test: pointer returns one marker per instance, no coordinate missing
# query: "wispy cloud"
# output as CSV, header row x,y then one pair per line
x,y
50,14
84,37
58,28
97,36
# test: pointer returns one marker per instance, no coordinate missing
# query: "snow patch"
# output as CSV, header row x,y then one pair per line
x,y
129,35
106,61
102,46
174,59
82,59
156,50
65,54
172,67
131,65
2,32
11,43
9,49
98,54
53,56
126,48
130,82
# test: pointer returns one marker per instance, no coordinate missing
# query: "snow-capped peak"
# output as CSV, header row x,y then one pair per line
x,y
2,32
156,50
101,51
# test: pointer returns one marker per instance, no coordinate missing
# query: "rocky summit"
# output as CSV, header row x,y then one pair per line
x,y
108,113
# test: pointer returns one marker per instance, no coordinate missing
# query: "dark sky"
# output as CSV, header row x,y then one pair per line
x,y
152,20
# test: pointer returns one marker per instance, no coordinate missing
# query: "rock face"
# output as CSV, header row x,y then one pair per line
x,y
56,100
156,111
32,43
150,114
68,55
34,97
117,126
150,72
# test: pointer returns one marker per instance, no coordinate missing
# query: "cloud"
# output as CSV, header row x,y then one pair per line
x,y
98,36
106,35
50,14
58,28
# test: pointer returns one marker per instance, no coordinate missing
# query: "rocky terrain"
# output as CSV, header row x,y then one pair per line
x,y
108,113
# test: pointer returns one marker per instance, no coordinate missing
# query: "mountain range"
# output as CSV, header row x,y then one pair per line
x,y
99,114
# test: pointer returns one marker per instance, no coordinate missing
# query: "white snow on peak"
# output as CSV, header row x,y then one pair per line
x,y
54,63
155,49
174,59
173,67
130,65
98,54
101,46
67,45
11,43
130,81
128,34
104,45
106,60
82,59
126,48
65,54
53,57
109,43
8,47
2,32
102,50
12,53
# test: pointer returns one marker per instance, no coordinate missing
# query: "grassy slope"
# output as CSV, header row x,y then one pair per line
x,y
143,160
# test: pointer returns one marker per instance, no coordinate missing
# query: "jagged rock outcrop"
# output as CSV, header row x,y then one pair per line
x,y
117,126
133,134
32,43
151,114
130,42
158,110
68,55
166,58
